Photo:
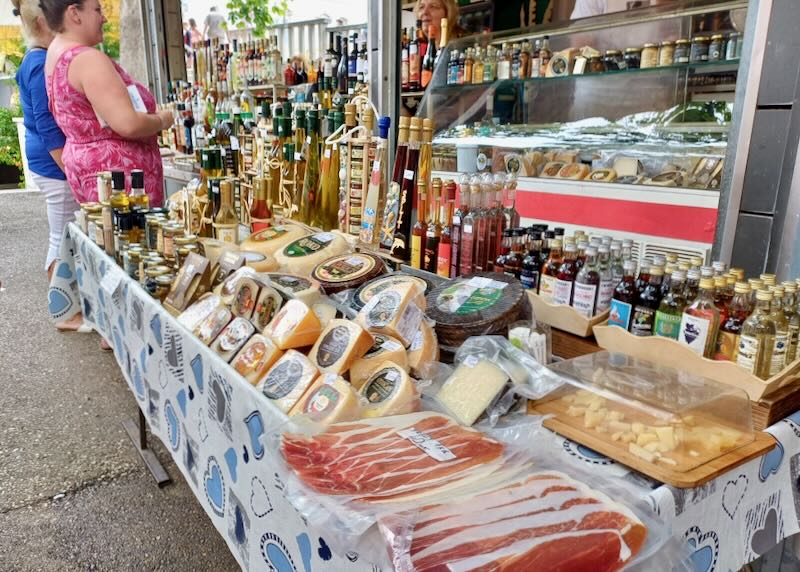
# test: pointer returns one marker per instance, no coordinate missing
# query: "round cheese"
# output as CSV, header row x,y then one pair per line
x,y
388,391
302,255
329,400
603,175
365,293
341,343
255,358
346,271
471,389
424,349
294,326
393,312
192,316
383,348
245,297
260,262
287,380
295,287
272,239
268,304
232,338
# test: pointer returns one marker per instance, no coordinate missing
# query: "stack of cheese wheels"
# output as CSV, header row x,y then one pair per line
x,y
346,271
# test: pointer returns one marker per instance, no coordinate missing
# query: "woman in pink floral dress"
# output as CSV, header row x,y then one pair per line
x,y
93,101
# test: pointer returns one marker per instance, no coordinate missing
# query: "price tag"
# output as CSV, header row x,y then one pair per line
x,y
427,444
471,361
234,143
111,280
408,174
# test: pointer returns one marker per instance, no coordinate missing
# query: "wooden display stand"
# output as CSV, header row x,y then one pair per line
x,y
564,318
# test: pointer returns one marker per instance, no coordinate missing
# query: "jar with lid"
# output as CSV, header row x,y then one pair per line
x,y
716,49
122,234
149,260
649,56
182,252
613,60
633,58
99,234
160,235
682,49
595,65
150,277
699,49
666,54
171,232
732,48
152,224
130,261
163,286
91,226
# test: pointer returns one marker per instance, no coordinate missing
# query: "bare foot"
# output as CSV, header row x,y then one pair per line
x,y
70,325
104,345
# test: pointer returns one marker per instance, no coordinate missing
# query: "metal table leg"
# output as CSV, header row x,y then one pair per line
x,y
138,435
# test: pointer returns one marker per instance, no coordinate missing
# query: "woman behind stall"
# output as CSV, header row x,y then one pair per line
x,y
44,141
431,12
93,103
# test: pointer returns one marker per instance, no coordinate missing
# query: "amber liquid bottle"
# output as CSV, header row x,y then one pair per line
x,y
700,321
624,298
565,279
418,232
549,275
730,329
455,231
401,246
394,195
466,249
260,214
433,232
444,258
587,285
512,265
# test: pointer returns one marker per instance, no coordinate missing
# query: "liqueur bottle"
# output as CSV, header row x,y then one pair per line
x,y
444,259
647,303
466,248
299,161
757,340
342,71
400,245
311,179
700,322
670,311
138,198
549,275
458,217
793,318
428,61
433,232
376,192
692,283
587,285
624,298
414,64
391,211
643,279
730,329
531,266
405,62
512,265
607,282
260,214
226,224
505,249
418,232
481,224
329,181
565,279
781,330
721,297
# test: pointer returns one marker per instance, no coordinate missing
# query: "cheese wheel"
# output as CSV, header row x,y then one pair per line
x,y
365,293
245,297
325,312
232,338
346,271
255,358
192,316
302,255
383,348
424,349
294,326
471,388
260,262
341,343
574,171
287,380
388,391
551,170
272,239
329,400
215,322
603,175
667,179
293,286
267,305
393,312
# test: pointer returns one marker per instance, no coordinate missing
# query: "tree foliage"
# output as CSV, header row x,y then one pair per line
x,y
257,14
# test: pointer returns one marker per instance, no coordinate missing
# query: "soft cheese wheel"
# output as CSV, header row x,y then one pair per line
x,y
325,312
272,239
232,338
383,348
302,255
341,343
287,380
260,262
393,312
388,391
365,293
471,389
424,348
329,400
294,326
245,297
268,304
255,358
297,287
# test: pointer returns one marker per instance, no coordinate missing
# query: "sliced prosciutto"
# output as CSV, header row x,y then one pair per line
x,y
541,522
392,458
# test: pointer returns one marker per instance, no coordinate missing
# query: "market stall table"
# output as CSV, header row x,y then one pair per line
x,y
217,427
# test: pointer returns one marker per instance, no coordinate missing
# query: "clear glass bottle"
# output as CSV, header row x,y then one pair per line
x,y
587,285
757,340
617,271
700,322
692,283
138,198
644,313
670,311
730,328
781,330
790,311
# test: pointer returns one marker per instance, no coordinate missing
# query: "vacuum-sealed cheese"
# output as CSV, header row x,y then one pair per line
x,y
393,312
341,343
471,388
388,391
294,326
384,348
255,358
287,380
424,348
329,400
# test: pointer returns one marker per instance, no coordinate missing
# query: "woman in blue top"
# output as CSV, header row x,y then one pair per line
x,y
43,139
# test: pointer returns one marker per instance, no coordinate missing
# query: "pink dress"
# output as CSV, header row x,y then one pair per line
x,y
90,148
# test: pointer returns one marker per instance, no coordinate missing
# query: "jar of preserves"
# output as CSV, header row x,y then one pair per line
x,y
163,286
699,49
633,58
149,260
595,65
716,49
666,54
99,233
91,226
732,46
613,60
152,224
682,48
182,252
171,231
649,56
130,260
150,278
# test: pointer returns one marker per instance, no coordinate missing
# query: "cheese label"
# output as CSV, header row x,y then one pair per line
x,y
213,325
427,444
308,245
382,385
409,322
292,283
283,378
333,346
266,308
251,358
245,299
416,344
381,309
269,234
235,335
324,399
287,320
462,298
377,286
344,268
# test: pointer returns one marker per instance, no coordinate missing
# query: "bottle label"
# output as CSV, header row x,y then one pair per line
x,y
416,252
791,350
547,288
778,360
226,232
619,314
605,294
748,353
529,279
443,260
727,343
667,325
694,333
563,292
584,298
643,318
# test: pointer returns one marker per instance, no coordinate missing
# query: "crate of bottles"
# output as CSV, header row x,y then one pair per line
x,y
564,317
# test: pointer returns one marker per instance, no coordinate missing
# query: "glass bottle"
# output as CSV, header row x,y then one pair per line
x,y
644,312
531,266
670,311
119,200
544,56
428,60
405,83
525,60
394,197
467,243
565,279
504,63
419,229
455,231
138,198
549,275
587,285
433,233
781,330
512,265
400,246
376,190
444,261
607,282
469,60
311,179
692,283
482,217
757,340
536,60
478,66
700,322
793,318
721,297
581,256
329,180
730,328
226,223
490,65
624,298
643,279
260,214
414,64
505,249
617,271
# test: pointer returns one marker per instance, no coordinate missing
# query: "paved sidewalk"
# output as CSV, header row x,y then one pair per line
x,y
73,492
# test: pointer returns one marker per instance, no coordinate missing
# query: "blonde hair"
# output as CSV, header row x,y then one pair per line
x,y
451,13
34,29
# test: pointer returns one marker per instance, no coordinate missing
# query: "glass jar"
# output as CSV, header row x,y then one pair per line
x,y
160,235
732,46
182,252
633,58
149,260
682,49
99,234
699,49
91,226
595,65
666,54
130,261
716,49
171,231
163,286
152,224
613,60
150,278
649,56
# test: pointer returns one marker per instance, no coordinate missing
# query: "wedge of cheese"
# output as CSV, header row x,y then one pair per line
x,y
303,255
471,388
213,324
393,312
340,344
233,338
267,306
383,348
287,380
329,400
424,348
256,357
294,326
388,391
260,262
192,316
325,312
245,297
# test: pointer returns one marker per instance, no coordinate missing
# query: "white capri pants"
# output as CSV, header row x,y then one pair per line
x,y
61,207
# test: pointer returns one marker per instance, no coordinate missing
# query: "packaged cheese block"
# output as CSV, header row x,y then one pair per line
x,y
346,271
232,338
603,175
471,388
245,297
271,240
383,348
627,166
215,322
192,316
268,304
287,380
227,290
393,312
341,343
551,170
388,391
329,400
255,358
365,293
668,179
297,287
260,262
424,348
574,171
294,326
325,312
302,255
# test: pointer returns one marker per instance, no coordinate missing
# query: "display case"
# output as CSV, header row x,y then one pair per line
x,y
624,125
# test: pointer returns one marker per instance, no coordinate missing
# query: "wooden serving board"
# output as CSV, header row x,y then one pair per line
x,y
572,428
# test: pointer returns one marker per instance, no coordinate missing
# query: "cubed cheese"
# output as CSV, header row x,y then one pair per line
x,y
255,358
393,312
287,380
294,326
388,391
384,348
329,400
471,388
341,343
